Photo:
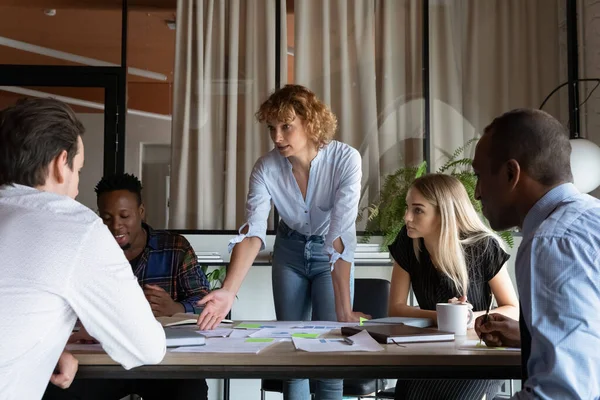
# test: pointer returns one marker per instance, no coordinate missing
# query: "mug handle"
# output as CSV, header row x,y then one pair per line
x,y
471,315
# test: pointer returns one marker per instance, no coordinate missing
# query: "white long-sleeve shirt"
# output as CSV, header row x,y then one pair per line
x,y
58,262
331,204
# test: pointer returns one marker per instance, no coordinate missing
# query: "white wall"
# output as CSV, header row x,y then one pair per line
x,y
139,131
93,142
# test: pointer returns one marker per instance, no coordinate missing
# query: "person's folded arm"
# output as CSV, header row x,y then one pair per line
x,y
110,303
506,297
399,291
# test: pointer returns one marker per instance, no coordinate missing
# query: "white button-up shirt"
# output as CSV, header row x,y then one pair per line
x,y
58,261
331,203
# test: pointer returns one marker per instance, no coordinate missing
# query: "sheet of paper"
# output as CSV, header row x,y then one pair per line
x,y
215,333
182,322
84,347
229,345
292,324
242,333
289,333
264,325
474,345
327,325
361,342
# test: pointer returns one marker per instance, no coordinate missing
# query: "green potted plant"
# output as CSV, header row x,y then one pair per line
x,y
215,277
386,217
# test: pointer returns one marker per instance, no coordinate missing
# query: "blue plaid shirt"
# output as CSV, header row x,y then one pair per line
x,y
169,261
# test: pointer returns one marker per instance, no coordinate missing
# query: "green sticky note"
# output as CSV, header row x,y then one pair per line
x,y
259,340
306,335
362,320
249,326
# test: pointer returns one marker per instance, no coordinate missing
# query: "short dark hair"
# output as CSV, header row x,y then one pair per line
x,y
127,182
536,140
32,133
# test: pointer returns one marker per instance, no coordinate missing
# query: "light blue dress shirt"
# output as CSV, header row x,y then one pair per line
x,y
558,278
331,204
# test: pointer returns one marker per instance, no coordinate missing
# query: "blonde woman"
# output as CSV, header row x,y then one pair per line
x,y
445,251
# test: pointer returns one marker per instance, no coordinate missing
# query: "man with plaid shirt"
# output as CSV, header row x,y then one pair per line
x,y
164,263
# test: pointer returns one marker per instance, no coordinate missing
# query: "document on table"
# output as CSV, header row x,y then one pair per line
x,y
360,342
229,345
184,319
474,345
216,333
289,333
265,325
242,333
327,325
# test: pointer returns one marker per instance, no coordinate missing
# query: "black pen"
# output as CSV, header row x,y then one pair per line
x,y
349,341
487,313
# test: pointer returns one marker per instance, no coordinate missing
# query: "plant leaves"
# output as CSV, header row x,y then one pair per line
x,y
386,217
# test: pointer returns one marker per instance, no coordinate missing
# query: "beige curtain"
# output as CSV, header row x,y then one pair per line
x,y
224,69
488,57
363,58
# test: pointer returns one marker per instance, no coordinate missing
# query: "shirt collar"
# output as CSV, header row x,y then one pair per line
x,y
17,189
315,161
152,241
546,205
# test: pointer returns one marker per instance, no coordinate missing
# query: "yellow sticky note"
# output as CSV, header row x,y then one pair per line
x,y
305,335
362,320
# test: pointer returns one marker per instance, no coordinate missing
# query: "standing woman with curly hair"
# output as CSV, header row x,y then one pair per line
x,y
314,181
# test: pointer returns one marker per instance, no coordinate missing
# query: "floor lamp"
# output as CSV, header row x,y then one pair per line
x,y
585,155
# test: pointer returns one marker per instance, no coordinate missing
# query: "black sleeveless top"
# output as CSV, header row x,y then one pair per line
x,y
484,260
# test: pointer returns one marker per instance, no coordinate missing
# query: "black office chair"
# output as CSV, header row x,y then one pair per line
x,y
370,297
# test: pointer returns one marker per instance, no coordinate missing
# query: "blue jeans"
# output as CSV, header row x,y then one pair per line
x,y
303,291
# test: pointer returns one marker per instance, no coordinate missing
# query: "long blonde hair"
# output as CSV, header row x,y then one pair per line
x,y
460,226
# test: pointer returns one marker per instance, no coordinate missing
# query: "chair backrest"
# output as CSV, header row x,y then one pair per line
x,y
371,296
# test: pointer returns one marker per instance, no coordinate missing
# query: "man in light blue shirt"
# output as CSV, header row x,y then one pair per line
x,y
524,179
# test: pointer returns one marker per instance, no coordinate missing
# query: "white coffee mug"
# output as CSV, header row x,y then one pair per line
x,y
454,317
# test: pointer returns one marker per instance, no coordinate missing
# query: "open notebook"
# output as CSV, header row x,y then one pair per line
x,y
398,333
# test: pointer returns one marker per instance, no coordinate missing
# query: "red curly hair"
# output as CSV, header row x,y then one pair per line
x,y
284,104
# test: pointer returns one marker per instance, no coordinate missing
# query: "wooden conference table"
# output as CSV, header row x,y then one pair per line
x,y
281,360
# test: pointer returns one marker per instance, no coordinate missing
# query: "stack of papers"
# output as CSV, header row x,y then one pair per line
x,y
370,253
207,257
